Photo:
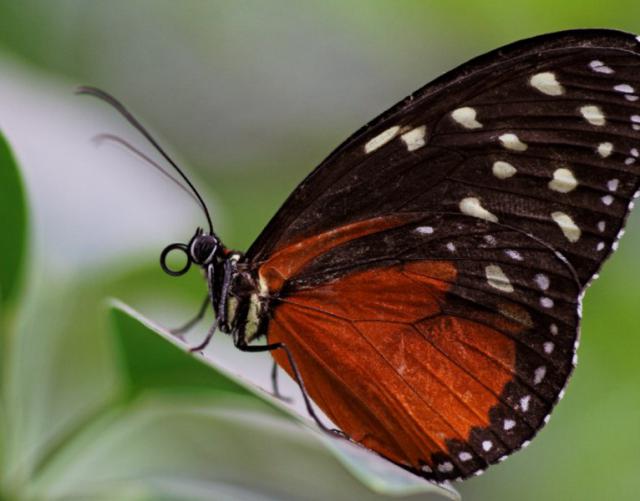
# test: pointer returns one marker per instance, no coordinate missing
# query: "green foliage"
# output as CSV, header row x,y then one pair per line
x,y
13,213
150,362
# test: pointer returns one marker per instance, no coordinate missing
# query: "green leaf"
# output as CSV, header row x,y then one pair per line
x,y
173,365
151,362
167,447
13,214
59,375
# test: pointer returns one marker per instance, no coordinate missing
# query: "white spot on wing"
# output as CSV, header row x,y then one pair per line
x,y
601,226
497,279
600,246
465,456
553,329
624,88
542,281
466,117
568,227
381,139
471,206
451,247
539,374
490,239
593,114
546,83
612,184
607,200
424,230
524,403
548,347
512,142
414,139
546,302
487,445
509,424
445,467
513,254
600,67
605,149
503,170
563,181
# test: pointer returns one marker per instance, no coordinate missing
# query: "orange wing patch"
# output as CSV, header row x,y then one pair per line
x,y
382,360
286,262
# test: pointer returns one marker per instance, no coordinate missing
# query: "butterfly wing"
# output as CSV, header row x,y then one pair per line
x,y
427,276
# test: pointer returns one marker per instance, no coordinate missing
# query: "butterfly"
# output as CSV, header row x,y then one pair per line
x,y
423,284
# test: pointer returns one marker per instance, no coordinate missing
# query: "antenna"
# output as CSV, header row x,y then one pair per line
x,y
109,99
100,138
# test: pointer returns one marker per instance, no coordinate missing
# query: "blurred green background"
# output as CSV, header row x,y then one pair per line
x,y
251,96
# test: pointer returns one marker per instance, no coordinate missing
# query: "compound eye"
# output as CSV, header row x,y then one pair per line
x,y
212,254
203,250
165,254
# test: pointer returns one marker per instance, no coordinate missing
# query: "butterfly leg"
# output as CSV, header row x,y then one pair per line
x,y
208,300
298,379
178,331
274,384
206,340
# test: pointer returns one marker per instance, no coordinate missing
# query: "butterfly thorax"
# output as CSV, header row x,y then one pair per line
x,y
240,306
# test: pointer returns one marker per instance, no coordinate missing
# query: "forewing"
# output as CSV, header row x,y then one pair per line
x,y
540,135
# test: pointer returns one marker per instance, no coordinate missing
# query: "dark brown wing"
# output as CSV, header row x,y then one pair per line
x,y
516,171
596,73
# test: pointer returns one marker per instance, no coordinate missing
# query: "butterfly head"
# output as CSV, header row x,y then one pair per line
x,y
202,250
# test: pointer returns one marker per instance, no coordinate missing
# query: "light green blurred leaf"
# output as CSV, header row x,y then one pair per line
x,y
170,447
138,335
59,376
13,213
147,362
